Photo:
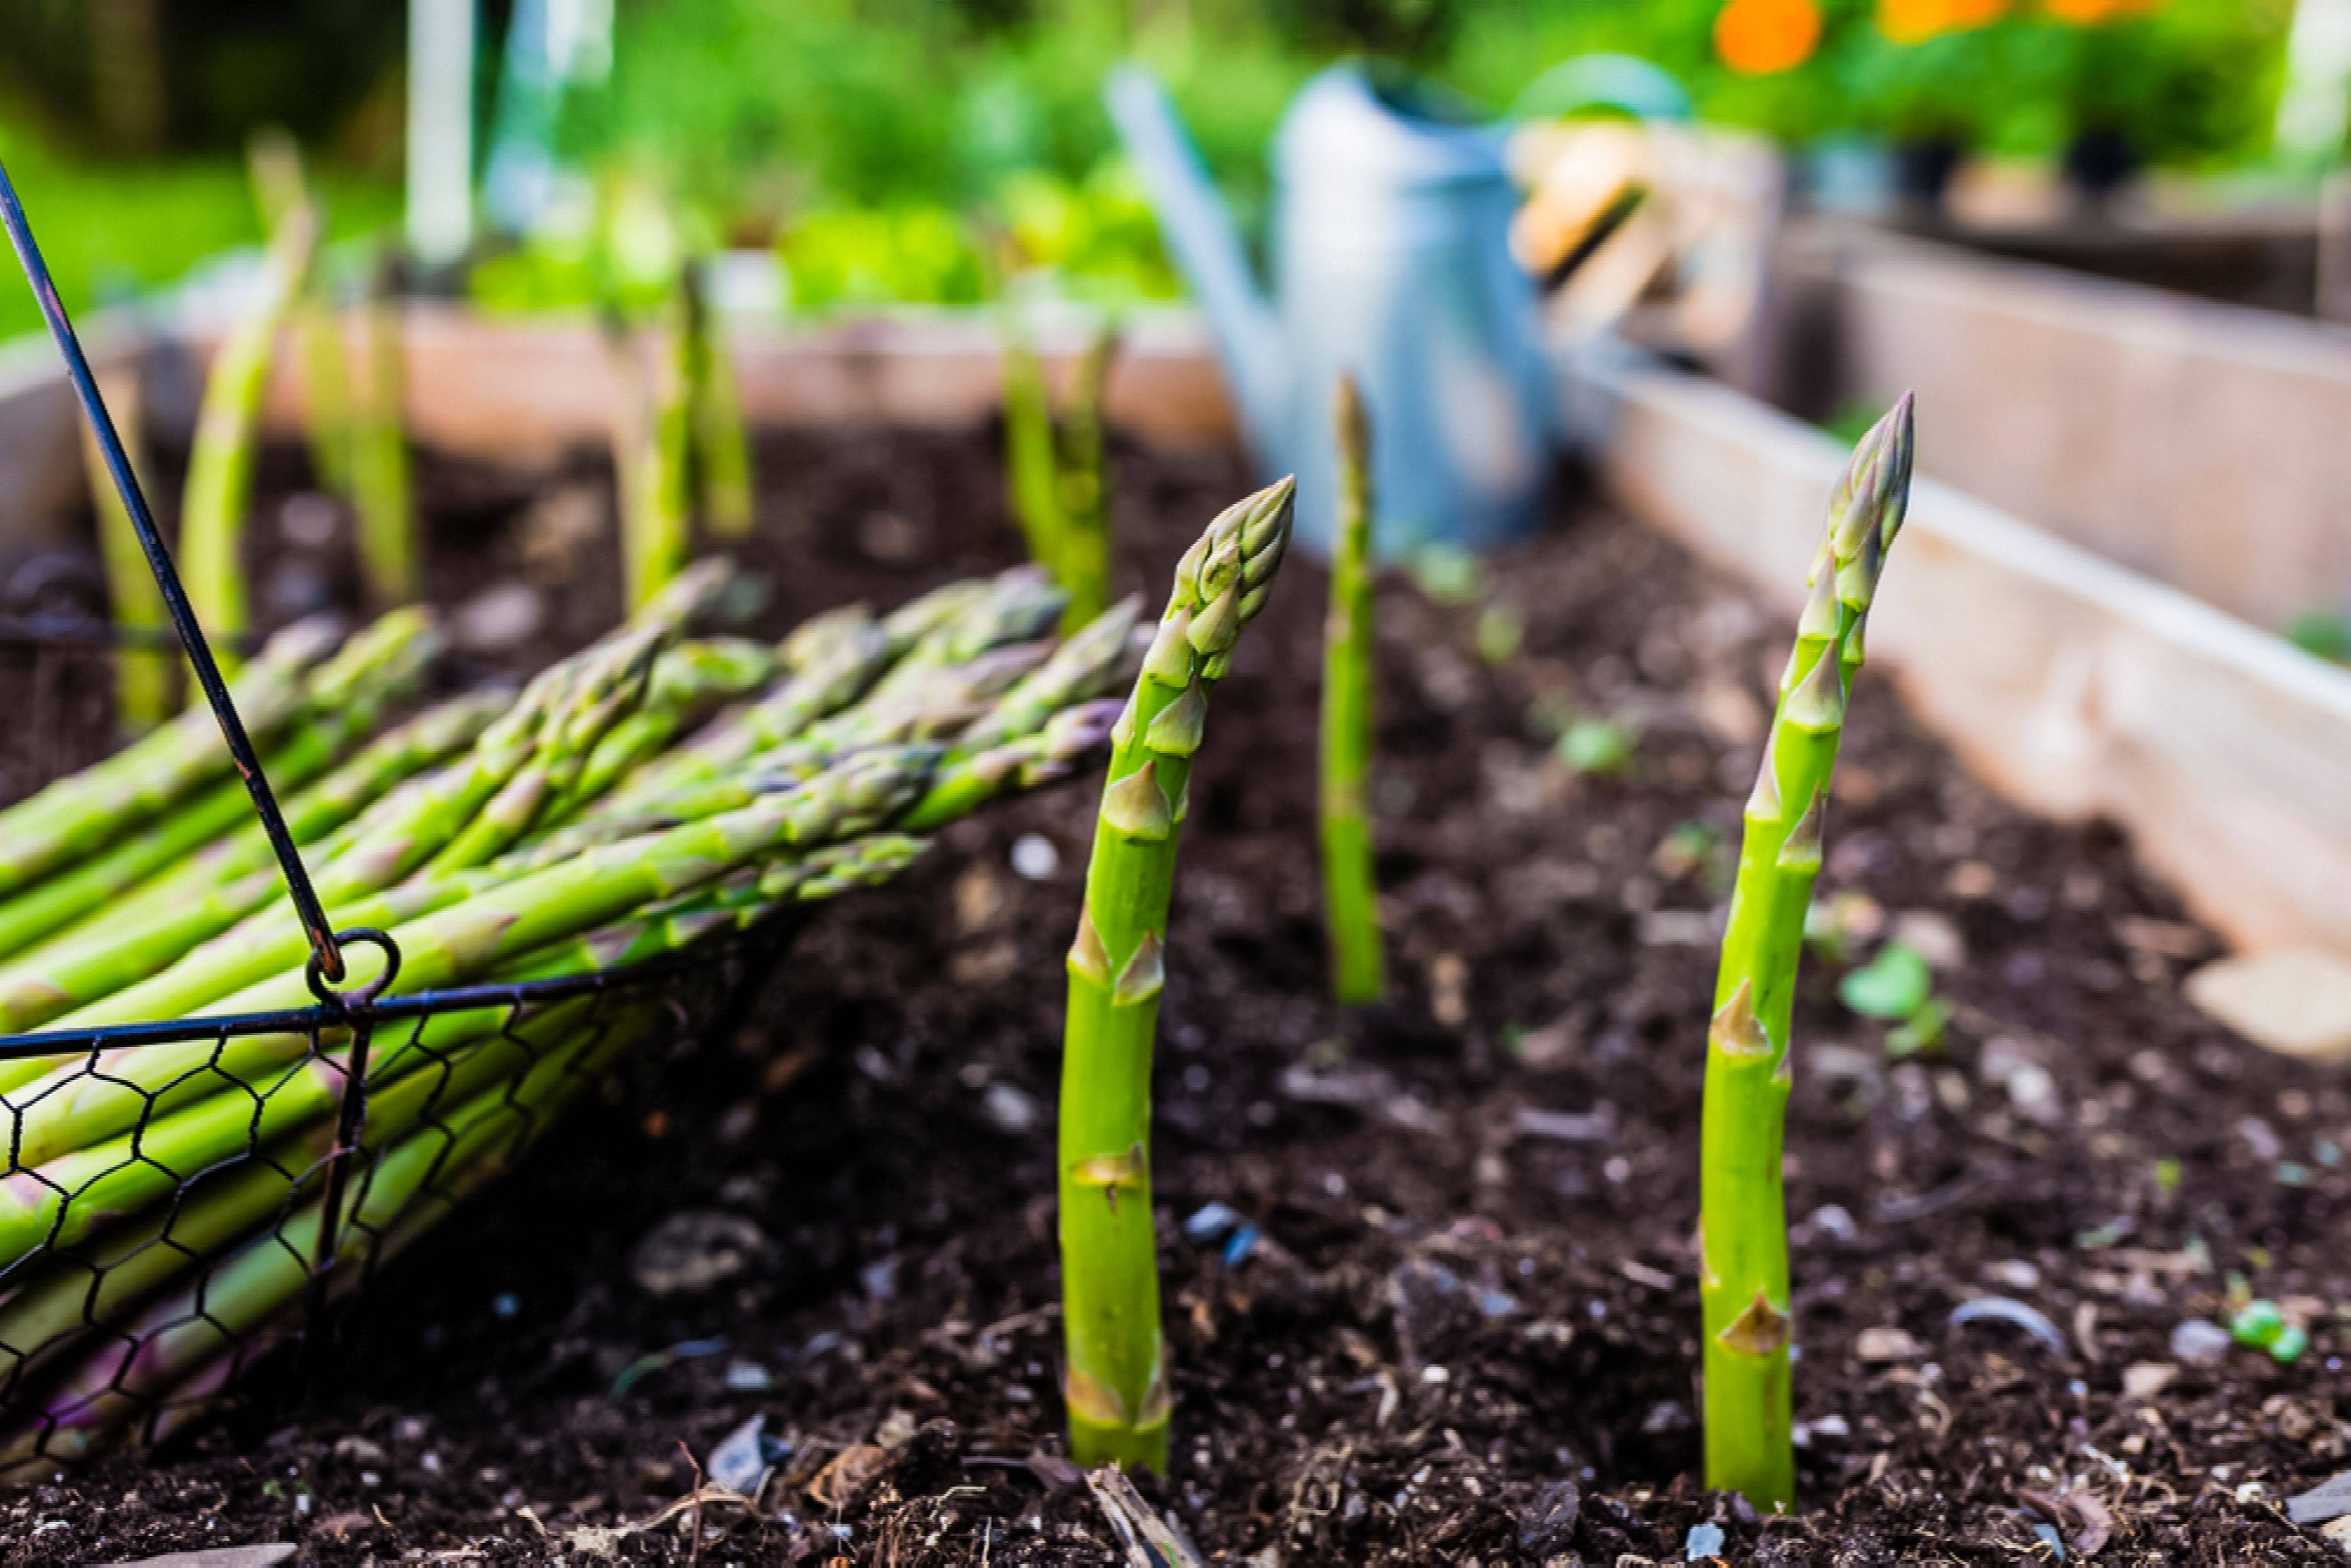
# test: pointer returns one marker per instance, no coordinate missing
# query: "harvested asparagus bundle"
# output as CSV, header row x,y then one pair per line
x,y
490,836
1115,1385
1743,1271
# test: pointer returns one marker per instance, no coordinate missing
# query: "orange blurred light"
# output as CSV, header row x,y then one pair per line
x,y
1762,37
1916,21
2092,13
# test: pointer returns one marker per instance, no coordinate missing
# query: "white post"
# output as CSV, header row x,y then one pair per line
x,y
2312,110
441,44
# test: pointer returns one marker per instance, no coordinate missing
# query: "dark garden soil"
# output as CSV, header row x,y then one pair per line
x,y
1430,1285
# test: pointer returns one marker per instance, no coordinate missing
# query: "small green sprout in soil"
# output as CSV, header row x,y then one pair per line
x,y
1601,748
1350,637
1744,1265
1450,576
1899,988
2260,1325
1115,1381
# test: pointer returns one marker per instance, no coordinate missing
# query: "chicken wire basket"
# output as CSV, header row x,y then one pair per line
x,y
181,1198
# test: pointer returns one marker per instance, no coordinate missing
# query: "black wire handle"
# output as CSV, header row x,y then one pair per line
x,y
326,951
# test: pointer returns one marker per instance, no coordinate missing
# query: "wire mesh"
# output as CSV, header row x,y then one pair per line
x,y
181,1200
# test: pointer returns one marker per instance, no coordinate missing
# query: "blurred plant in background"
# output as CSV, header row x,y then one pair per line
x,y
945,151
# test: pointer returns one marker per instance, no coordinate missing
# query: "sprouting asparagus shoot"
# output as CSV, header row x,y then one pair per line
x,y
1057,471
220,468
1351,897
1084,485
1032,469
723,484
1115,1385
651,439
144,683
381,493
1743,1268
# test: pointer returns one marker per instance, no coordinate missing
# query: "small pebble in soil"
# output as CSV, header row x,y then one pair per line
x,y
693,1250
1705,1542
1034,857
2198,1342
1009,1109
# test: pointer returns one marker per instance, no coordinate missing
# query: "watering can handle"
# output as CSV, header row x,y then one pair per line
x,y
1199,231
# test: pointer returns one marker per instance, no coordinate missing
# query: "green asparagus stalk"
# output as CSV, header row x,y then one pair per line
x,y
1351,894
1032,470
1116,1383
722,450
429,739
611,689
220,468
687,680
652,438
1085,484
946,628
145,684
382,493
1060,493
969,780
1748,1064
283,193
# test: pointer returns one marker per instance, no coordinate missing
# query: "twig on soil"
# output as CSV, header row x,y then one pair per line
x,y
1150,1541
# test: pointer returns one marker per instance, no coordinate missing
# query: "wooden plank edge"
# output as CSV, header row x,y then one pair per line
x,y
2071,685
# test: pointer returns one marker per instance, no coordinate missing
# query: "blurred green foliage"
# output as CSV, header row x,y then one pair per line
x,y
110,229
921,149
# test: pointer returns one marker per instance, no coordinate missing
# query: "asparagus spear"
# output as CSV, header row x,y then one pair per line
x,y
220,468
283,194
1032,469
686,681
1116,1383
652,432
382,492
432,738
944,630
1351,895
722,451
1085,484
145,684
1743,1276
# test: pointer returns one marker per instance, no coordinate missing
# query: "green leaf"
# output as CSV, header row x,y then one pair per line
x,y
1598,746
1894,985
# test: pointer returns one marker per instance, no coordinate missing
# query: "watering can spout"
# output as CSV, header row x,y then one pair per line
x,y
1199,230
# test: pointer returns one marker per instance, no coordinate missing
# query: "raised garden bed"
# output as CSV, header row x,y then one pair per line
x,y
1462,1327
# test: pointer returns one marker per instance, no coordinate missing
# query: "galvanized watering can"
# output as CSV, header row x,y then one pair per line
x,y
1392,262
